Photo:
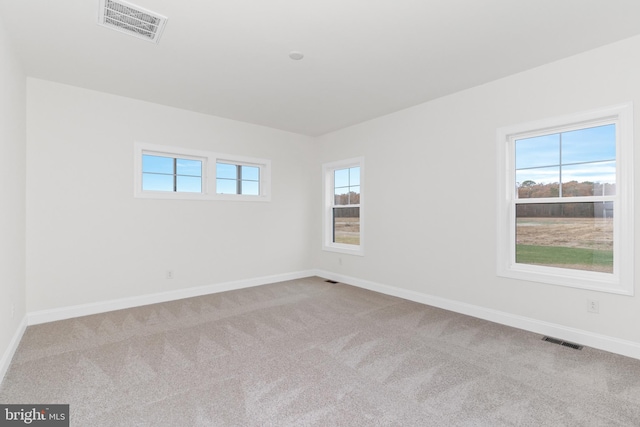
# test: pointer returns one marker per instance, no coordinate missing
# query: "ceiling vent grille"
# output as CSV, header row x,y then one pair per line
x,y
131,19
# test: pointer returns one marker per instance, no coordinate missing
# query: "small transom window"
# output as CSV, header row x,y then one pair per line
x,y
237,179
161,173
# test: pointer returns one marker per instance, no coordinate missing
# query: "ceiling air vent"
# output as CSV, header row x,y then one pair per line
x,y
131,19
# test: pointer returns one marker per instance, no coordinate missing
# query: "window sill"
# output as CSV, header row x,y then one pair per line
x,y
161,195
590,280
344,249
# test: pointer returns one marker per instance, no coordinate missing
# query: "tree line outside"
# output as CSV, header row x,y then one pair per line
x,y
531,190
575,235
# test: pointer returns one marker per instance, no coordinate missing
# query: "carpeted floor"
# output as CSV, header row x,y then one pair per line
x,y
311,353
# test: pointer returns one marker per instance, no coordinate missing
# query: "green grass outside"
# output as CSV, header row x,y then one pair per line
x,y
558,255
349,240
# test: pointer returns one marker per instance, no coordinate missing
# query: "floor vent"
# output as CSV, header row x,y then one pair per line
x,y
562,343
128,18
331,281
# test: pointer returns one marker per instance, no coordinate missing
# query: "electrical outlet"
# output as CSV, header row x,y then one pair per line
x,y
169,274
340,260
593,306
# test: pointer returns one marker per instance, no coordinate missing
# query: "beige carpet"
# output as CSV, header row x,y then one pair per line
x,y
310,353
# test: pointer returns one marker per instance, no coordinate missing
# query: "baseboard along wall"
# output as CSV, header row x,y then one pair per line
x,y
62,313
590,339
11,349
602,342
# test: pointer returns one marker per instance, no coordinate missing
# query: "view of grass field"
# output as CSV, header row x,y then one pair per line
x,y
576,258
347,230
575,243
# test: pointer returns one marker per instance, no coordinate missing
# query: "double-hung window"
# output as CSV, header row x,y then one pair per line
x,y
565,200
163,172
343,201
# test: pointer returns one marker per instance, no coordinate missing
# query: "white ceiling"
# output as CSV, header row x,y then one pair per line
x,y
363,58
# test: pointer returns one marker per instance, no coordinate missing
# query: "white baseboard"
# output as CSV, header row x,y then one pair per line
x,y
11,348
602,342
62,313
590,339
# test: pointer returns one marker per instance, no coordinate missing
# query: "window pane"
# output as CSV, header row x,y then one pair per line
x,y
341,178
225,170
189,167
226,186
354,195
346,225
189,184
538,182
590,144
341,196
577,236
157,164
250,188
588,179
547,175
538,151
354,176
251,173
155,182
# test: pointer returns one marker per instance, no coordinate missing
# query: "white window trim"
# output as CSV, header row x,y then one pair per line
x,y
328,198
210,160
622,279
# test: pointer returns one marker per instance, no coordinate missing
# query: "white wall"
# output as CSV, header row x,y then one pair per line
x,y
430,202
89,240
431,191
12,194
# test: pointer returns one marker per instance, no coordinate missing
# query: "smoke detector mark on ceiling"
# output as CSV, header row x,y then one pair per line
x,y
295,55
131,19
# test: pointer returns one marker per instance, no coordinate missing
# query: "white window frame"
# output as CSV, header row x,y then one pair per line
x,y
209,163
621,281
328,170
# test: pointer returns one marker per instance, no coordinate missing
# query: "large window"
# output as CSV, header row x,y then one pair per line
x,y
565,211
163,172
343,224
